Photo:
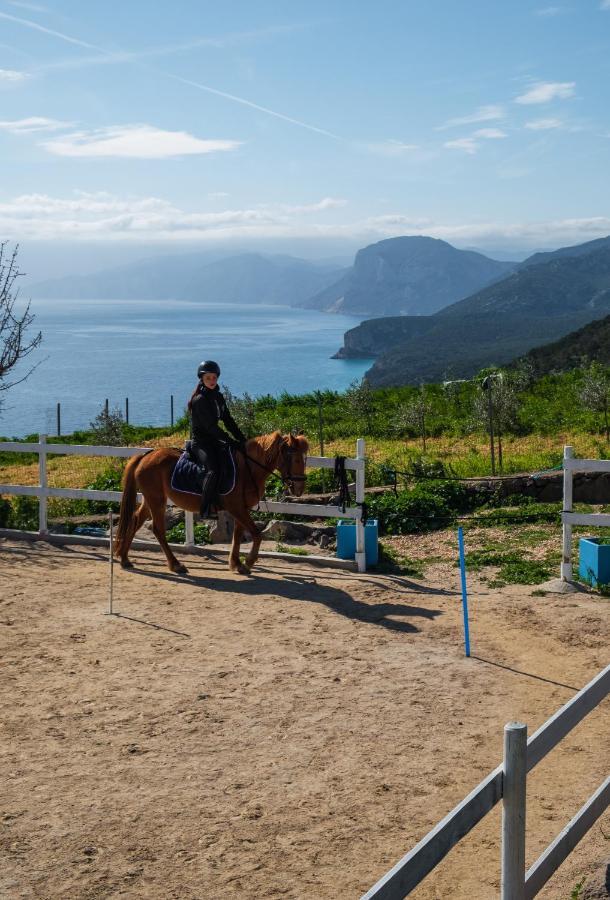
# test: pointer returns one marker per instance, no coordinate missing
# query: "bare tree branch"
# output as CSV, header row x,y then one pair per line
x,y
15,343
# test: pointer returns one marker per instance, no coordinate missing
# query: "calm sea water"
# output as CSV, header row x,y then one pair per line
x,y
149,350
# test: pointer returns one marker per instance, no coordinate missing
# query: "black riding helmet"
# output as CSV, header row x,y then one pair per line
x,y
210,367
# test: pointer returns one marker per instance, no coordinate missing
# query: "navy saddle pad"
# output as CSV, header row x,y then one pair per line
x,y
187,477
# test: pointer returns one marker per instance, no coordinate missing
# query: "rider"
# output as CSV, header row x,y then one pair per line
x,y
207,408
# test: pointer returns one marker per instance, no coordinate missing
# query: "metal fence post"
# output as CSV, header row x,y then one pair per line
x,y
568,484
42,477
360,549
513,811
171,409
127,410
59,420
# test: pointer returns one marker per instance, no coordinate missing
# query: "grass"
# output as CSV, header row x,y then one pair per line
x,y
295,551
390,562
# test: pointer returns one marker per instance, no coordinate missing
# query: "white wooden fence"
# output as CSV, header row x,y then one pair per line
x,y
42,490
570,518
507,781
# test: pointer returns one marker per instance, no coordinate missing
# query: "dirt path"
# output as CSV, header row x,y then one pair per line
x,y
289,735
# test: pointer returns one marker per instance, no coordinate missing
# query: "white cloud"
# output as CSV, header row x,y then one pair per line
x,y
490,134
102,216
391,148
467,145
544,124
134,142
548,12
605,4
12,76
545,91
33,124
106,216
482,114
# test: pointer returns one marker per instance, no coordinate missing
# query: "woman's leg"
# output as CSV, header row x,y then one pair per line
x,y
207,455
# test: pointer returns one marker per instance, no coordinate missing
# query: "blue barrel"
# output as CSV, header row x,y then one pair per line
x,y
346,540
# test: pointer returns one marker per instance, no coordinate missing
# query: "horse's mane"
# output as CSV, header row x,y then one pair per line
x,y
268,445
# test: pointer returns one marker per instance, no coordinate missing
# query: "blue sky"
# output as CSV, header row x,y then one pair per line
x,y
483,123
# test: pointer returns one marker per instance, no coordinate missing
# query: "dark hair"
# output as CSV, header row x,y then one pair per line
x,y
197,390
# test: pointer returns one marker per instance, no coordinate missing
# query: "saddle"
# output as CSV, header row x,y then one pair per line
x,y
188,476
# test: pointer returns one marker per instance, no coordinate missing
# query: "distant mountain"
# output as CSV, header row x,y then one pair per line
x,y
251,278
408,276
537,304
576,250
586,345
247,278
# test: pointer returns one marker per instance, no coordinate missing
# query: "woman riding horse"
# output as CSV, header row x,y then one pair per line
x,y
207,408
151,474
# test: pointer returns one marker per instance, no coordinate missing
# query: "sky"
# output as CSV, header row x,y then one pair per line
x,y
325,126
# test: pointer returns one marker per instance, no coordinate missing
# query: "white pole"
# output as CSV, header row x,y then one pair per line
x,y
566,561
42,477
189,530
360,551
513,811
111,555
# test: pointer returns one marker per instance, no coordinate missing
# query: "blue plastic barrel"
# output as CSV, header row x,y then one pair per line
x,y
346,540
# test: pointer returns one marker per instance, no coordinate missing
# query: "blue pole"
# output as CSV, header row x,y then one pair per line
x,y
464,591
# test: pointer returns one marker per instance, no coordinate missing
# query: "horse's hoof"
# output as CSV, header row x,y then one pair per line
x,y
243,569
126,564
180,570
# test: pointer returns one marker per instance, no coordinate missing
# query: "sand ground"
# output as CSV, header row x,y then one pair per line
x,y
287,735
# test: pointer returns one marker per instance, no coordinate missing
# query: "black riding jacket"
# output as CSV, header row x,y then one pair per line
x,y
207,410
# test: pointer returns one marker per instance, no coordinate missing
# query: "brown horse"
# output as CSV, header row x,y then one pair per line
x,y
151,474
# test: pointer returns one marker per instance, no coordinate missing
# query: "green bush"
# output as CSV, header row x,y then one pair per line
x,y
24,514
5,513
177,534
424,508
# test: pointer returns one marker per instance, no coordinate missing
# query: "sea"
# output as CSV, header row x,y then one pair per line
x,y
145,351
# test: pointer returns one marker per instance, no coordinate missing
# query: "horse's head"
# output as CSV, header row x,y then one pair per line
x,y
292,461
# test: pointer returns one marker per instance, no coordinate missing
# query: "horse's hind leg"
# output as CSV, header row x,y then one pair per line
x,y
141,515
158,527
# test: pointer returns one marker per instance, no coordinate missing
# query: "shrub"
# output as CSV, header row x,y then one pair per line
x,y
424,508
24,514
5,513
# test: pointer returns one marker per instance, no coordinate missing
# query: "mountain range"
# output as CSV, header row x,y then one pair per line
x,y
440,312
408,276
548,296
205,277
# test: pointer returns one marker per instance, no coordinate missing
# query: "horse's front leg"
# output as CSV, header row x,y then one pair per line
x,y
235,563
244,522
159,532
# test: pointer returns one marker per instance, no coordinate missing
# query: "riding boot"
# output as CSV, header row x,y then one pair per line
x,y
207,493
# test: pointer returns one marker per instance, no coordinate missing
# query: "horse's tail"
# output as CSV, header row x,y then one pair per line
x,y
128,504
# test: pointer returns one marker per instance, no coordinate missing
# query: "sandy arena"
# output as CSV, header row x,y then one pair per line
x,y
287,735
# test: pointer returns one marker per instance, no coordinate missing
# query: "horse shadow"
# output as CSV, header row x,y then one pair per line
x,y
305,589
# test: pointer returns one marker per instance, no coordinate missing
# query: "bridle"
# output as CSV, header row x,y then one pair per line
x,y
286,453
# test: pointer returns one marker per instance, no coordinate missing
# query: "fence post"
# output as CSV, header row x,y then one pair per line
x,y
127,410
42,477
106,409
189,530
360,551
59,420
513,811
171,409
568,483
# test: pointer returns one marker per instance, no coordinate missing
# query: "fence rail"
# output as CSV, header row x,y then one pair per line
x,y
425,856
568,517
43,492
